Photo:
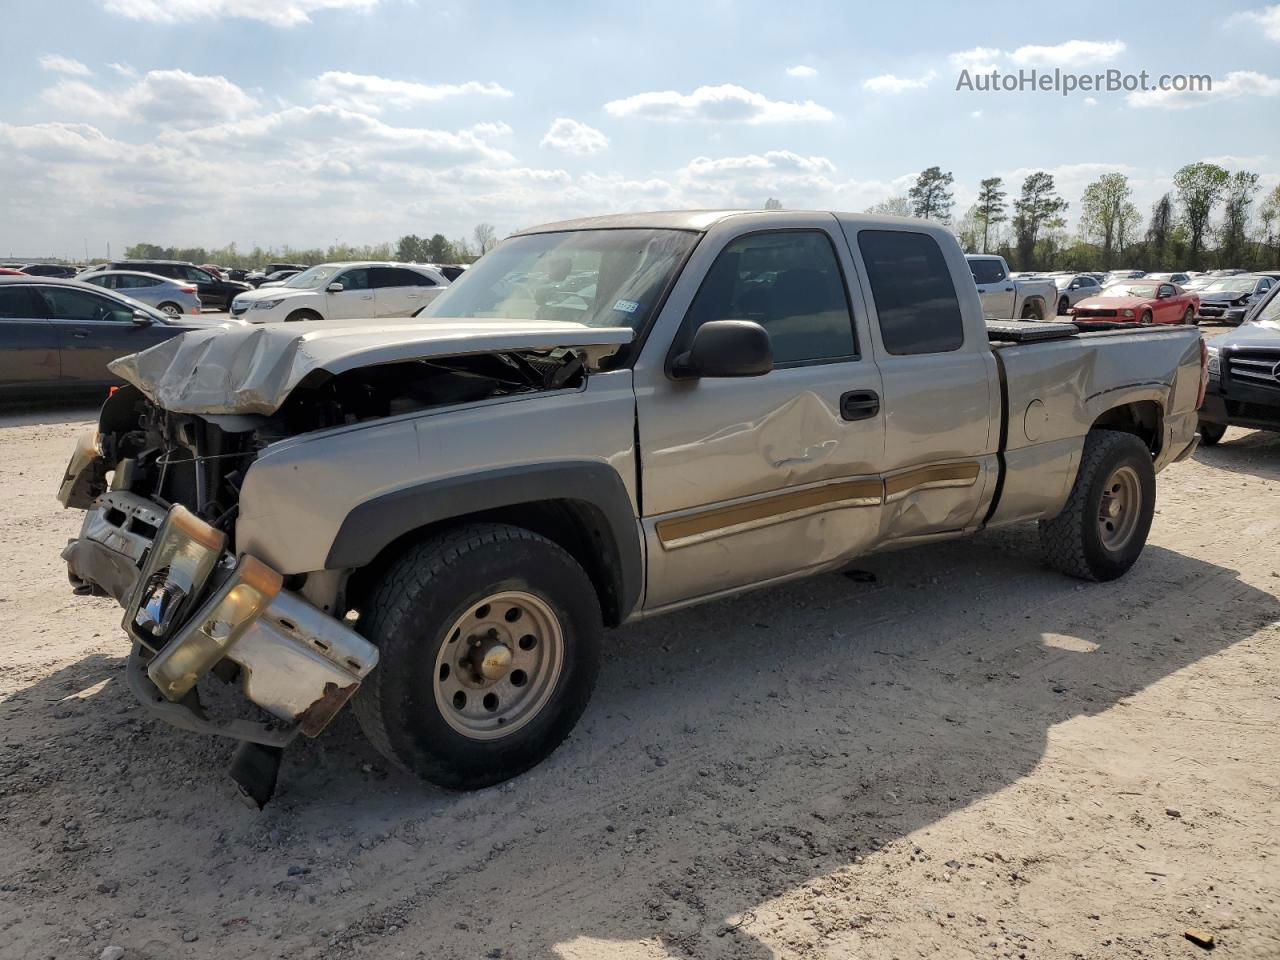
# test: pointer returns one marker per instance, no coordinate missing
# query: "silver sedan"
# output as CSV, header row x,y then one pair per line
x,y
169,296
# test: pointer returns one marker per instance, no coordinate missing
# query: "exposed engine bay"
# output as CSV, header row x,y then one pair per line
x,y
200,461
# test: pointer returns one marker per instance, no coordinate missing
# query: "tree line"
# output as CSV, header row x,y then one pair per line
x,y
410,249
1211,218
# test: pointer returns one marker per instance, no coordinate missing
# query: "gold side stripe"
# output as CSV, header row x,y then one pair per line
x,y
723,521
932,477
684,531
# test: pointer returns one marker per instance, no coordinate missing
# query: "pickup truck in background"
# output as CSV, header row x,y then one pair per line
x,y
1003,297
436,517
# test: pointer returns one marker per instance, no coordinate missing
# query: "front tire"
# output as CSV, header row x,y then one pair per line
x,y
299,315
1063,306
489,638
1146,318
1102,529
1211,433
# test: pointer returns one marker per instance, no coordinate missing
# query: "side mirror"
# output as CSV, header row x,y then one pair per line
x,y
141,319
335,288
726,348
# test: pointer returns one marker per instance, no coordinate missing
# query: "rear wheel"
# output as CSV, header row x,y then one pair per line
x,y
300,315
170,309
1033,310
1102,529
1211,433
1189,317
489,638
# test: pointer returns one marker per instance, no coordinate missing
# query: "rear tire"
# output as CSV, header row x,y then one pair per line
x,y
1063,306
1033,310
1211,433
299,315
442,619
1102,529
1189,318
170,309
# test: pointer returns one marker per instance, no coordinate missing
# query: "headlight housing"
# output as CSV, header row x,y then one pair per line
x,y
266,304
216,627
1128,313
178,565
1215,361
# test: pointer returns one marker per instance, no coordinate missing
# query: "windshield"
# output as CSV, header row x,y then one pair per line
x,y
1230,285
1062,282
315,277
1130,290
601,278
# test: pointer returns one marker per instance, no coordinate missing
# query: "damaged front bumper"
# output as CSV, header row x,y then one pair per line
x,y
191,607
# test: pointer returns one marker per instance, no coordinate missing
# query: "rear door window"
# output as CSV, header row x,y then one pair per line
x,y
986,271
915,299
67,303
400,277
18,303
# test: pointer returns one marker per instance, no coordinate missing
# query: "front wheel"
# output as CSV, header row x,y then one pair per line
x,y
1146,318
489,638
1102,529
1211,433
300,315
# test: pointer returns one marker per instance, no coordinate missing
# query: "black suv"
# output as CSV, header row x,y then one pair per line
x,y
1244,374
213,292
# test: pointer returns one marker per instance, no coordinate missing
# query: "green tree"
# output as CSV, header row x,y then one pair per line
x,y
1234,242
773,203
1037,210
411,248
1106,215
1199,187
990,209
1268,218
931,197
485,238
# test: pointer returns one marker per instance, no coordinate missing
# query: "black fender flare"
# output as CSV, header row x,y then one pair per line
x,y
373,525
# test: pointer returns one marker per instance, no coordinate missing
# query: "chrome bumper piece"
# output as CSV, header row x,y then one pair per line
x,y
295,662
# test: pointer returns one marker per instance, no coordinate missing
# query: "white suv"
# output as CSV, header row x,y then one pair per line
x,y
344,291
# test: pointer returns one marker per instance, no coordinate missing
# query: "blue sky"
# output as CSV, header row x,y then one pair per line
x,y
310,121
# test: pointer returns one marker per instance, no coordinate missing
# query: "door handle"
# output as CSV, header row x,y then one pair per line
x,y
80,333
1008,289
859,405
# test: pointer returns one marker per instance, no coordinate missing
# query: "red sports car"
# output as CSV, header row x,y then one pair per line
x,y
1140,301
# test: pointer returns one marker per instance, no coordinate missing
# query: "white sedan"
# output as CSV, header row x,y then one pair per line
x,y
344,291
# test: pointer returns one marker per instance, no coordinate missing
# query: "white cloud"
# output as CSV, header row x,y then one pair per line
x,y
977,114
800,70
1237,83
893,84
726,102
61,64
278,13
123,70
979,59
783,161
1090,101
1071,53
1268,19
570,136
372,94
161,96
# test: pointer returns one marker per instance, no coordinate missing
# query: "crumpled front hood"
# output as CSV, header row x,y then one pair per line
x,y
253,369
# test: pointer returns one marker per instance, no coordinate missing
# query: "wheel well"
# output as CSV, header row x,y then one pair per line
x,y
1142,418
578,527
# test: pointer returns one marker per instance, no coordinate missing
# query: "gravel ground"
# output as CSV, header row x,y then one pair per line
x,y
966,756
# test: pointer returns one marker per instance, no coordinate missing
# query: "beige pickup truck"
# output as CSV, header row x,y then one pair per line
x,y
602,420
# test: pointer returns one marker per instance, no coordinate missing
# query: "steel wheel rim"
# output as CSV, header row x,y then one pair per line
x,y
498,665
1120,508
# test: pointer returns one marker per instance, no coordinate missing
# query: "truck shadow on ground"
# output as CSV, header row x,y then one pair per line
x,y
1253,452
732,753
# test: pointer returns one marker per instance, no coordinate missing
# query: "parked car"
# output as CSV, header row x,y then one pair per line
x,y
272,279
1244,374
214,269
10,272
1074,287
1180,279
237,274
808,388
344,291
213,292
1139,301
1229,298
168,296
48,270
59,335
1004,296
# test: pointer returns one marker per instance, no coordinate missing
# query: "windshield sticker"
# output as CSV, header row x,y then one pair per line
x,y
626,306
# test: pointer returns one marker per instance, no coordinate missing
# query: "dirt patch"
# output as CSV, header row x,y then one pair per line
x,y
966,755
